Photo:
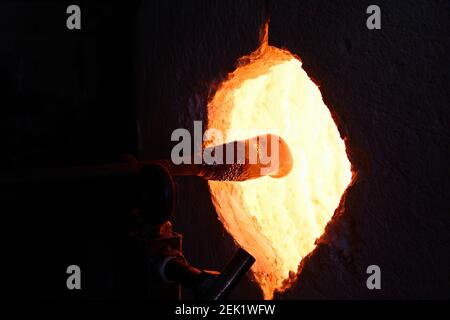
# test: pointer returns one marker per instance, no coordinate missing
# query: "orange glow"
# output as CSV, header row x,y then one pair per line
x,y
278,220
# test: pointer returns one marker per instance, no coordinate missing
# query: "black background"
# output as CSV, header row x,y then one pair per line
x,y
67,99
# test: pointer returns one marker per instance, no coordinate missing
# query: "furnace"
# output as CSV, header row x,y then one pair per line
x,y
278,220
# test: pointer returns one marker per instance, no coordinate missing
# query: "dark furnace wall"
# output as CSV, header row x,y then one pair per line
x,y
136,72
389,92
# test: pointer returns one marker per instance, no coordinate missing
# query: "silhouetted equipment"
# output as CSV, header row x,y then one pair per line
x,y
155,203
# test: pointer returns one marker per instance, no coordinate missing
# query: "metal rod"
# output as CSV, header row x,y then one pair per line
x,y
230,277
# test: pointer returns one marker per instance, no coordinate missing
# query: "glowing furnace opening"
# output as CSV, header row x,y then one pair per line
x,y
278,220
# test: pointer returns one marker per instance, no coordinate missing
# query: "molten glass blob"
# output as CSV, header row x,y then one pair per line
x,y
278,220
